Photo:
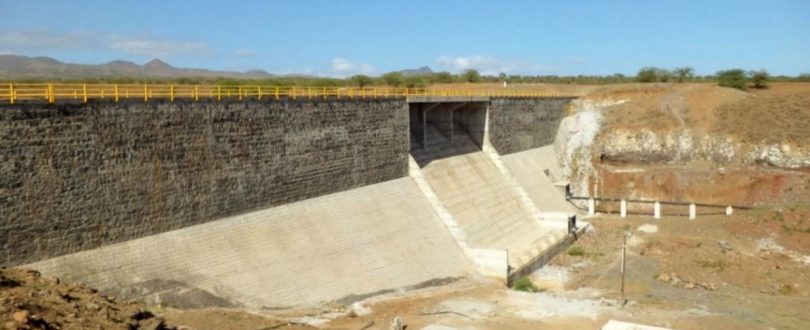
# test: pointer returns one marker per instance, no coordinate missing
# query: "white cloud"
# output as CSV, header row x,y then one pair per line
x,y
244,52
156,47
577,60
6,52
342,67
45,40
462,63
488,65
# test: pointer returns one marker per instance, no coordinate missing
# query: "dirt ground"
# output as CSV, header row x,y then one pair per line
x,y
748,186
776,114
31,301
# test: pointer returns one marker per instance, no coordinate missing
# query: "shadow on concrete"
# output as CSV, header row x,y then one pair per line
x,y
442,130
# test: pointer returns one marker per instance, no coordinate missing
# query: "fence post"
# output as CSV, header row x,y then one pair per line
x,y
692,211
591,207
51,97
219,93
171,92
11,93
196,92
623,208
276,92
657,210
260,92
145,93
116,92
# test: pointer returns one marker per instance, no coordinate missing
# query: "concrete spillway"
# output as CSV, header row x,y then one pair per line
x,y
486,207
339,247
528,167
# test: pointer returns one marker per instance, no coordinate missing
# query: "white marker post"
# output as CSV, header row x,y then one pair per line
x,y
729,210
623,208
657,210
591,207
692,211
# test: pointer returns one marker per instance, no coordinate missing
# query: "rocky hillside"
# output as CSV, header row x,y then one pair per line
x,y
685,125
30,301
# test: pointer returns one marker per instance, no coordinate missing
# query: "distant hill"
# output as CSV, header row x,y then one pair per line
x,y
423,71
23,67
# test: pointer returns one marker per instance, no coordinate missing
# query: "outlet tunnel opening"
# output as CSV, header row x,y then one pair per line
x,y
445,129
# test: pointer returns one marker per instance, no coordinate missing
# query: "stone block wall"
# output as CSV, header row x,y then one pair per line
x,y
520,124
79,176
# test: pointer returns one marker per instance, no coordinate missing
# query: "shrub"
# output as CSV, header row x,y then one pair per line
x,y
393,79
734,78
524,284
684,74
361,80
471,76
576,251
442,78
759,78
653,74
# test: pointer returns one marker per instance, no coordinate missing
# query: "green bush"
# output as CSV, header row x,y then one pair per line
x,y
471,76
576,251
759,78
653,74
393,79
684,74
524,284
442,78
734,78
361,80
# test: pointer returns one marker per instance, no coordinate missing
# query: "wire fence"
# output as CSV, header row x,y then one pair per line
x,y
11,93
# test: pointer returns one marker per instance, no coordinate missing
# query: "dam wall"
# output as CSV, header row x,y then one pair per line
x,y
76,177
518,124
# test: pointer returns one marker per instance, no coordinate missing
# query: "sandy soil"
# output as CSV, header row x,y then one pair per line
x,y
776,114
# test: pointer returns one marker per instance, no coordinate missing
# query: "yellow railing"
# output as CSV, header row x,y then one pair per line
x,y
11,93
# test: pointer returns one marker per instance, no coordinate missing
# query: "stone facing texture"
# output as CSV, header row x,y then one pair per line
x,y
78,176
522,124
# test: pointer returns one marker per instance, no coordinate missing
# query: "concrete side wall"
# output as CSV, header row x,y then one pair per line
x,y
441,118
472,119
76,177
522,124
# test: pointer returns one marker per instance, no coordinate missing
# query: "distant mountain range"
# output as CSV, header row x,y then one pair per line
x,y
24,67
423,71
15,67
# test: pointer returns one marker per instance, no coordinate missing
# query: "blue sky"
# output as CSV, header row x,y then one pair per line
x,y
339,38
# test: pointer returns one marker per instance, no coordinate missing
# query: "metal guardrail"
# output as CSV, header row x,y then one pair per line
x,y
11,93
570,196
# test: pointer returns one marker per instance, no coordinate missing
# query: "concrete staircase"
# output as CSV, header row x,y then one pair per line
x,y
485,206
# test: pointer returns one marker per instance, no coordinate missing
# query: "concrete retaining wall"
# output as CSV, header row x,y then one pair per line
x,y
522,124
78,176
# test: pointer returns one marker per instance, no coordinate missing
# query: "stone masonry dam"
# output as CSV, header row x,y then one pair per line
x,y
278,203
